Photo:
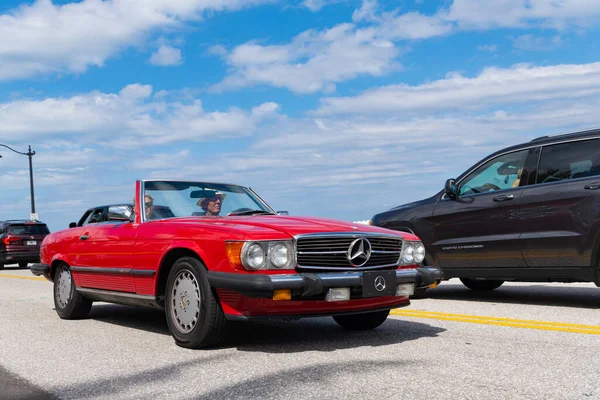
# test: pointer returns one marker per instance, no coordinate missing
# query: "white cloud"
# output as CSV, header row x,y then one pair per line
x,y
166,55
537,43
316,5
313,61
492,48
132,116
521,83
522,13
46,38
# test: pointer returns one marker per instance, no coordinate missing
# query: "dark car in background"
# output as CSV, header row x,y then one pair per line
x,y
527,213
20,241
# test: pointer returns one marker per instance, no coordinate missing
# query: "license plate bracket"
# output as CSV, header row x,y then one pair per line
x,y
378,283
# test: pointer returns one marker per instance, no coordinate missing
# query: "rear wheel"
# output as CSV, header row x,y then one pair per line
x,y
194,314
360,322
1,265
23,264
68,302
481,285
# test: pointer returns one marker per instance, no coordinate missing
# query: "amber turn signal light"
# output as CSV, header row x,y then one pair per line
x,y
282,294
234,251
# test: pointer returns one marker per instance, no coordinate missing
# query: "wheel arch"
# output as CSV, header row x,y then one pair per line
x,y
166,264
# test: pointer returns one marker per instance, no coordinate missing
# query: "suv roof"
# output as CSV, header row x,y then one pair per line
x,y
567,136
20,221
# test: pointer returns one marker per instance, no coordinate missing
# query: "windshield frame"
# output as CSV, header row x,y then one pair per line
x,y
246,189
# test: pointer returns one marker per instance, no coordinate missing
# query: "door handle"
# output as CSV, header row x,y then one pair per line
x,y
593,186
84,237
504,197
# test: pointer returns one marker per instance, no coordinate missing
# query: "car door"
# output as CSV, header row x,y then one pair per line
x,y
479,227
105,256
560,212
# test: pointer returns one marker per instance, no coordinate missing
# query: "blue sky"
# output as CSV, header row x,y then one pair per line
x,y
334,108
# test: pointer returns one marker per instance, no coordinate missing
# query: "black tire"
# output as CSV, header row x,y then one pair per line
x,y
23,264
481,285
193,330
74,306
362,322
1,265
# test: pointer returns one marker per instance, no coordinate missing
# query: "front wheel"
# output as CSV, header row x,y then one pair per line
x,y
481,285
69,303
360,322
194,314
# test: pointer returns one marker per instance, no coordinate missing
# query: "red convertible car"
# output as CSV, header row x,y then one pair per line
x,y
207,253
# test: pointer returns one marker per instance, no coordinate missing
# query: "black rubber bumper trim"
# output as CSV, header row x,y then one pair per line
x,y
312,283
39,269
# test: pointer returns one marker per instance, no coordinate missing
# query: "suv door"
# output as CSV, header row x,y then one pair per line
x,y
480,227
560,213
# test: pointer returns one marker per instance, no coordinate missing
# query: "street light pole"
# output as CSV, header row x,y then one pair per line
x,y
28,154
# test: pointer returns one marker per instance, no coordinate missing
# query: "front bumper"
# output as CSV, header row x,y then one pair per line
x,y
312,285
41,269
15,257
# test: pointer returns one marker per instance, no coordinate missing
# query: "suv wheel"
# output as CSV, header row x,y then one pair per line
x,y
23,264
481,285
1,265
360,322
194,314
69,303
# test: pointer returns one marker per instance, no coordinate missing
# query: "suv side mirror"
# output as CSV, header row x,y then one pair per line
x,y
450,188
73,225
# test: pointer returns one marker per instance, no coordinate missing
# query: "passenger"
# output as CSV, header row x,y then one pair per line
x,y
212,205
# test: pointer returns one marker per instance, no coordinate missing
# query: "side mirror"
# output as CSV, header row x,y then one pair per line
x,y
119,213
283,213
450,188
73,225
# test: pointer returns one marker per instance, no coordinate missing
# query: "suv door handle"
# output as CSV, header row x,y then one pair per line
x,y
593,186
504,197
84,237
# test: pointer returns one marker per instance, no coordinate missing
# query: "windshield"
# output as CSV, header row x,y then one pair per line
x,y
170,199
28,229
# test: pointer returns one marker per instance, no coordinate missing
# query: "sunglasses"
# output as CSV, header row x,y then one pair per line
x,y
149,204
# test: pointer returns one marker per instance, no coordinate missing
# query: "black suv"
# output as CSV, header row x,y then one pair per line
x,y
527,213
20,241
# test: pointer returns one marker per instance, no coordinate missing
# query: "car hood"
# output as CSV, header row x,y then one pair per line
x,y
285,224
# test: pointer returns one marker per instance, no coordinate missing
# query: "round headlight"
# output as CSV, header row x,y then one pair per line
x,y
409,253
280,255
255,256
419,253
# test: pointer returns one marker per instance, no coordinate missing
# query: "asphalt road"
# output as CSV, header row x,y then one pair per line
x,y
522,341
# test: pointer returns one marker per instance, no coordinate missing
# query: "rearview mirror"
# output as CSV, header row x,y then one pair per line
x,y
450,188
72,224
119,213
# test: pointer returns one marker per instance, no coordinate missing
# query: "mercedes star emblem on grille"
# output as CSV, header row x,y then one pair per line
x,y
379,283
359,252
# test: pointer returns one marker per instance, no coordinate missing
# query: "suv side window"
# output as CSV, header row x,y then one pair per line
x,y
572,160
502,172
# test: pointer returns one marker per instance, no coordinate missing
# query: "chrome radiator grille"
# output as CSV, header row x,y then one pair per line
x,y
343,251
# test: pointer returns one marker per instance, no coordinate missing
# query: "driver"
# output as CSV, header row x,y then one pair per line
x,y
212,205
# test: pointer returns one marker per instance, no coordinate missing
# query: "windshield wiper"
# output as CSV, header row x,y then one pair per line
x,y
251,212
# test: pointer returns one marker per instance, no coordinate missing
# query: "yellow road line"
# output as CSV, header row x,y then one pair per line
x,y
30,278
500,321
